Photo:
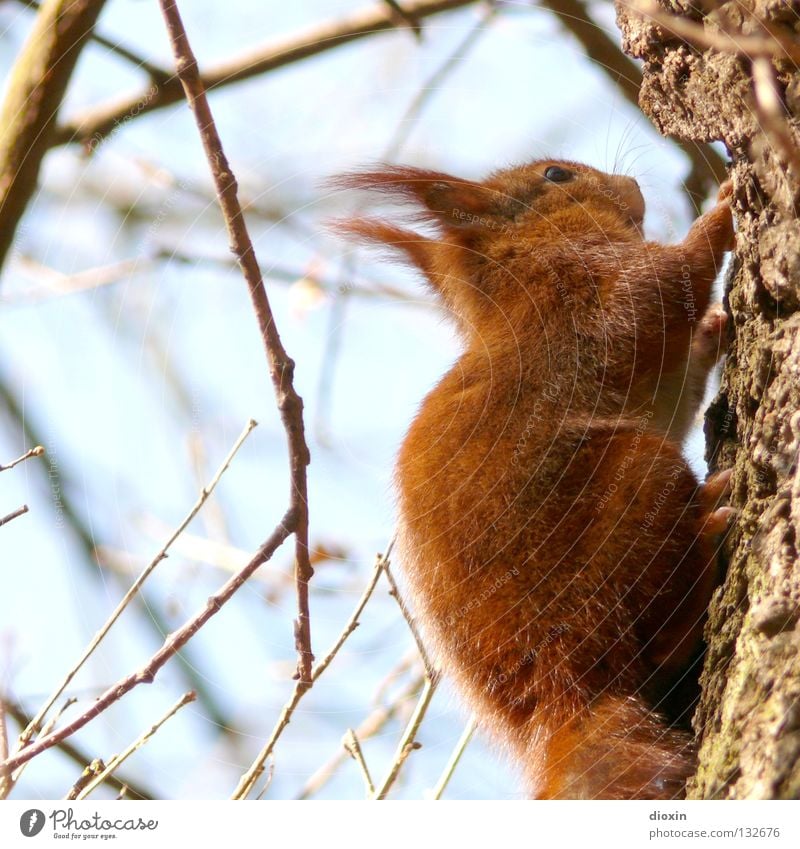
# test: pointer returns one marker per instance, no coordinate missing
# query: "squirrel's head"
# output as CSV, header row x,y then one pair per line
x,y
488,233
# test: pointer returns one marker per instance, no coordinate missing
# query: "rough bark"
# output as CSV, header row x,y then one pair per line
x,y
749,716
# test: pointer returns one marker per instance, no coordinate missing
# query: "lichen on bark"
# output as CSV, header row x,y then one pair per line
x,y
748,719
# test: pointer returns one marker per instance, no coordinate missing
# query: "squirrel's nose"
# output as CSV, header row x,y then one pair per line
x,y
631,196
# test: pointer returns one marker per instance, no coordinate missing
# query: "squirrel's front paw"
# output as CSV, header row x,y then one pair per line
x,y
714,228
713,493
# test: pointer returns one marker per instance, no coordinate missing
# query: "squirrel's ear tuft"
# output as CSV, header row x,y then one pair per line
x,y
416,248
449,201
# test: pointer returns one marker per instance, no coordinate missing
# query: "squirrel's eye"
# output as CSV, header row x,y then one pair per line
x,y
557,175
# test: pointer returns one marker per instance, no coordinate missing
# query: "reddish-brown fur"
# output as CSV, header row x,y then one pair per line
x,y
558,547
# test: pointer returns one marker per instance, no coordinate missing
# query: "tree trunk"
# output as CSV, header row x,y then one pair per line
x,y
749,716
35,91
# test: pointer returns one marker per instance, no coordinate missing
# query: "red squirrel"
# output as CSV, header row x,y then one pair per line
x,y
559,550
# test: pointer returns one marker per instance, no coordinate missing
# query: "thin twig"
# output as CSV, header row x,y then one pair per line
x,y
370,726
34,452
270,776
434,83
451,765
430,669
33,726
67,510
381,562
59,285
281,366
139,62
251,776
353,748
99,121
404,17
343,292
408,740
48,727
406,663
20,511
76,755
171,646
771,44
772,113
111,766
89,773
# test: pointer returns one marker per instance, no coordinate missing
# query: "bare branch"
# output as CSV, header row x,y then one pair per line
x,y
270,776
99,121
434,83
35,723
772,44
253,773
370,726
76,755
772,112
450,768
353,748
172,645
34,452
430,669
139,62
21,511
67,510
381,562
89,774
281,367
408,740
57,284
112,765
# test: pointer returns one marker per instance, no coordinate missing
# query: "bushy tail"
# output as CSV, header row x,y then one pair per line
x,y
617,749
